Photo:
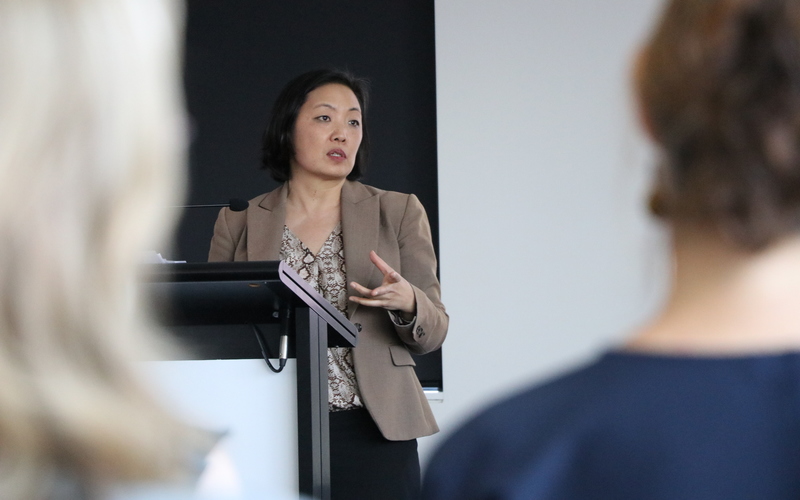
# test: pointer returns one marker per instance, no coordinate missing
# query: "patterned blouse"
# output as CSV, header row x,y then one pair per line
x,y
325,272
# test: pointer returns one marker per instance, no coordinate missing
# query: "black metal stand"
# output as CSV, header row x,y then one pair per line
x,y
312,411
243,293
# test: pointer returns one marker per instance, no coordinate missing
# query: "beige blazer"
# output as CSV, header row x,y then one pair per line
x,y
396,227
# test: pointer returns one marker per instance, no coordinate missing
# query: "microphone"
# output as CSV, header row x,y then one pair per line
x,y
235,204
283,351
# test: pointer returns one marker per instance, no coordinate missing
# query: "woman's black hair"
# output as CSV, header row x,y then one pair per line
x,y
278,141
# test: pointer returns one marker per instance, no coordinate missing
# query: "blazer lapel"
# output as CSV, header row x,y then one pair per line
x,y
269,217
360,232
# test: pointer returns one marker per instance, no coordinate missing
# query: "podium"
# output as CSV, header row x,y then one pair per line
x,y
218,294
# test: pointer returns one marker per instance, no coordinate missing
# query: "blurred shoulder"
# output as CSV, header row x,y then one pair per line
x,y
524,431
527,420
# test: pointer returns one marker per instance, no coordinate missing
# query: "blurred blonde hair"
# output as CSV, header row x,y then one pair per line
x,y
91,154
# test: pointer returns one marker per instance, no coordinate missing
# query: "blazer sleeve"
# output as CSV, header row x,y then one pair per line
x,y
228,233
418,266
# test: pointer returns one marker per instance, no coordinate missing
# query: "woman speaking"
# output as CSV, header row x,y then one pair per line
x,y
369,253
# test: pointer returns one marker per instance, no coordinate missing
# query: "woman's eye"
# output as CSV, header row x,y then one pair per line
x,y
355,123
324,118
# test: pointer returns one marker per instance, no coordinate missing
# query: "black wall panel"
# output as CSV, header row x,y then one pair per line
x,y
239,53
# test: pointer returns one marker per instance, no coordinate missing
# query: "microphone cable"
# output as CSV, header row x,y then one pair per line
x,y
283,350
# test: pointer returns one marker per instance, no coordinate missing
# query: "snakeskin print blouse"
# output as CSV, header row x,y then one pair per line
x,y
326,273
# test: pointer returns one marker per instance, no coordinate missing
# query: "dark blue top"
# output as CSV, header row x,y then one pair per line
x,y
635,426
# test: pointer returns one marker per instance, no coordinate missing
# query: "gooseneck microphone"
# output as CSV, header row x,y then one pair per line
x,y
235,204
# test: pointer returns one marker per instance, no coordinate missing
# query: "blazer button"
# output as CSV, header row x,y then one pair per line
x,y
358,326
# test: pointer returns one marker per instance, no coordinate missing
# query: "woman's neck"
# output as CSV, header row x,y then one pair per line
x,y
314,196
727,301
313,209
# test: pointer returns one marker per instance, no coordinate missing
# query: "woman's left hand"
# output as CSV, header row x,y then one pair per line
x,y
394,294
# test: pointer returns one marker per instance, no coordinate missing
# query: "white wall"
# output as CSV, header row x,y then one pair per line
x,y
547,254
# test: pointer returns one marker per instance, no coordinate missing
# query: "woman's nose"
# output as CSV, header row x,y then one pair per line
x,y
339,134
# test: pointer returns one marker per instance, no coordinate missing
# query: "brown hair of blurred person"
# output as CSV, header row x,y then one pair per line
x,y
719,92
719,85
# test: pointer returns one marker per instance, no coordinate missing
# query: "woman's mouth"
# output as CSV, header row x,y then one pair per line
x,y
337,154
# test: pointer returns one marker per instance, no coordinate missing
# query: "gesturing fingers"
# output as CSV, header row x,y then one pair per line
x,y
393,296
384,268
380,302
361,289
394,293
384,289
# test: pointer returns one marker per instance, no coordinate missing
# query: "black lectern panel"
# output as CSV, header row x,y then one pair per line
x,y
208,304
227,341
236,293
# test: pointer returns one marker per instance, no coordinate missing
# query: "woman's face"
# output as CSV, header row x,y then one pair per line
x,y
327,133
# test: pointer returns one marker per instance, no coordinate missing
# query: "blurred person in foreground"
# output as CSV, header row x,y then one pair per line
x,y
91,157
703,402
